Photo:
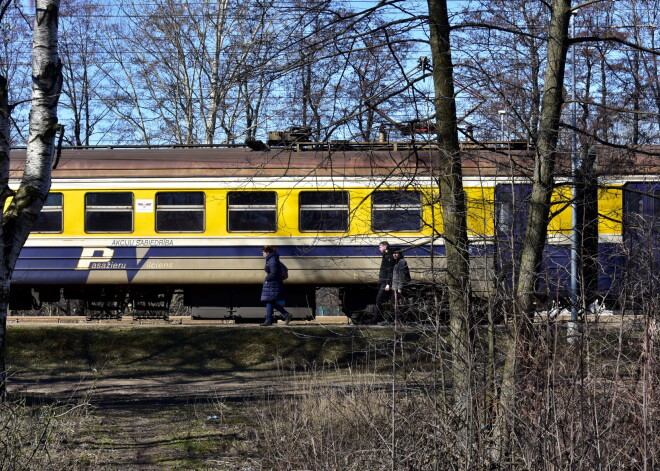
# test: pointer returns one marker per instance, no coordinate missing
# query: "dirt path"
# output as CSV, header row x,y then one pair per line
x,y
157,422
178,398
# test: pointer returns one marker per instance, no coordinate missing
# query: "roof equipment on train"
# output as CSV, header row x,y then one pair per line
x,y
289,136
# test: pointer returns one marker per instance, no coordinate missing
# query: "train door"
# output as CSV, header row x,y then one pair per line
x,y
511,208
641,239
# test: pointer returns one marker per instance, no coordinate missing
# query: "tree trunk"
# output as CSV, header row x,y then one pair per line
x,y
4,176
453,202
28,200
520,339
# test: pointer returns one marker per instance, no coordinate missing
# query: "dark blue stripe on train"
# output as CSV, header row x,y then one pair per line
x,y
74,253
51,265
555,272
71,265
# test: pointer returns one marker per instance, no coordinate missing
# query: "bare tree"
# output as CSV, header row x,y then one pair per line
x,y
312,70
14,68
5,111
638,68
508,72
28,199
538,216
189,73
80,30
378,80
454,213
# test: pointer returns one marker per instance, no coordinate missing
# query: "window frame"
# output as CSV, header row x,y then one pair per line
x,y
646,216
246,207
516,208
110,209
395,207
52,209
345,207
179,208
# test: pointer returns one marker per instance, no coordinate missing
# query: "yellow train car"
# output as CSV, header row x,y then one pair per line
x,y
134,225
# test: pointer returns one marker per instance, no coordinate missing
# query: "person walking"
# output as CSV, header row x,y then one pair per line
x,y
400,272
272,292
400,278
384,281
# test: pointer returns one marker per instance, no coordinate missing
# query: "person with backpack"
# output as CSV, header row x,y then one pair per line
x,y
272,292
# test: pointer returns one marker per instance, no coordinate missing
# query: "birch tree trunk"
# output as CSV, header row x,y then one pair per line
x,y
29,198
520,339
453,202
4,193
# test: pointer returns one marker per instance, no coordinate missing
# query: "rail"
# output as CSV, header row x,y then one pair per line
x,y
609,318
129,319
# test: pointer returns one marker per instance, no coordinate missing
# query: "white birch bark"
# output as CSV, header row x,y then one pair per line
x,y
35,184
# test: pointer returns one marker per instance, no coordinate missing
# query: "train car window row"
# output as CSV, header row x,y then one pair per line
x,y
180,211
247,211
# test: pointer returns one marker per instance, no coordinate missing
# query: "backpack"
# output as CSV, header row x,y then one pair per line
x,y
284,271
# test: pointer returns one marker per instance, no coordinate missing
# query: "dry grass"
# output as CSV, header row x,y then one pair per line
x,y
581,407
38,437
350,400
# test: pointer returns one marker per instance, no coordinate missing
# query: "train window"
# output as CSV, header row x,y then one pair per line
x,y
51,217
251,211
324,211
109,212
180,211
396,211
642,207
511,203
505,213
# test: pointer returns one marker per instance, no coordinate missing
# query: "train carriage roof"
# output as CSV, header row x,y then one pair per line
x,y
162,162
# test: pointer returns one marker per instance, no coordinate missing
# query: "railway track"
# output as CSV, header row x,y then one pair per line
x,y
172,320
610,318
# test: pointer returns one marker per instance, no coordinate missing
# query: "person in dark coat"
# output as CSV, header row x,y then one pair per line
x,y
273,289
400,273
384,279
400,280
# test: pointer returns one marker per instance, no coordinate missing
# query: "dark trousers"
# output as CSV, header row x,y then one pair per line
x,y
274,305
381,299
